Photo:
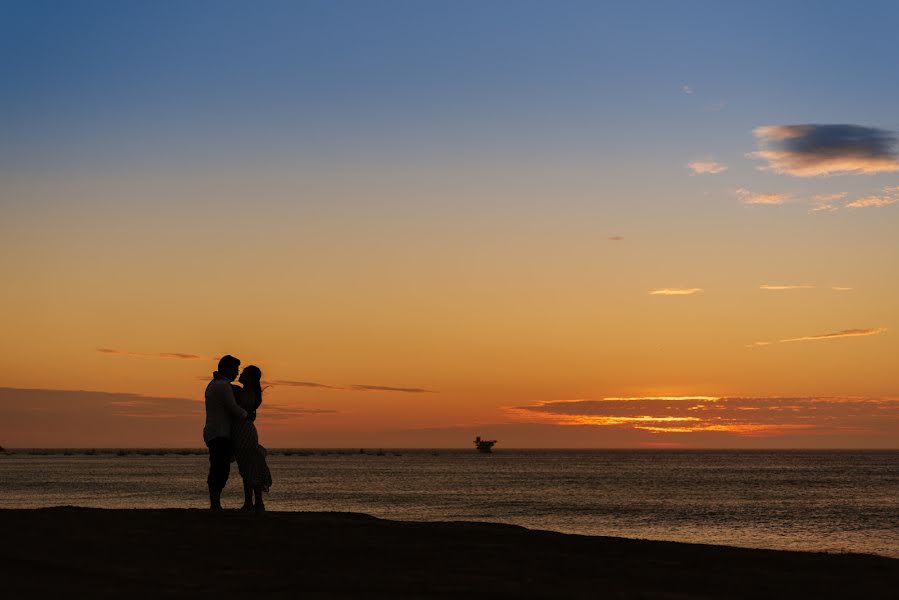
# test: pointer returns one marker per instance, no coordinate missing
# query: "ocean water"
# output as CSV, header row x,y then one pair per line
x,y
835,501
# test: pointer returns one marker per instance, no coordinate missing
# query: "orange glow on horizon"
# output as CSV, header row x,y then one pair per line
x,y
366,342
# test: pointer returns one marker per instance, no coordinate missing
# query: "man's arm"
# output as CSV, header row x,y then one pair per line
x,y
231,404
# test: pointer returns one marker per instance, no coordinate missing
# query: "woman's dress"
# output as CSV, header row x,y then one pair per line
x,y
249,454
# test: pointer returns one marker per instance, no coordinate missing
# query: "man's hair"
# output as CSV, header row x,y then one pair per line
x,y
228,363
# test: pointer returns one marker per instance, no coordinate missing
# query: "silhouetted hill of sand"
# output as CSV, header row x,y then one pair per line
x,y
78,552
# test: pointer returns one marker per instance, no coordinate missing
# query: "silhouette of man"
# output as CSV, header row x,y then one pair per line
x,y
221,408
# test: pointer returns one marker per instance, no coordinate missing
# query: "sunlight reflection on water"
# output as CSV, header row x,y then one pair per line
x,y
831,501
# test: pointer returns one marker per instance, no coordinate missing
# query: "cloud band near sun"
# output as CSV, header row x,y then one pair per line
x,y
813,150
739,416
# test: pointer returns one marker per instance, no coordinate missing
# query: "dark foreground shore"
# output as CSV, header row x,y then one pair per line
x,y
77,552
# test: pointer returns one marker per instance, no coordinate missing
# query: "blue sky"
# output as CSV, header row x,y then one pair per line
x,y
99,81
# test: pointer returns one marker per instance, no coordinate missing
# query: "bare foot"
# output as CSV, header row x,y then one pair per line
x,y
246,508
260,508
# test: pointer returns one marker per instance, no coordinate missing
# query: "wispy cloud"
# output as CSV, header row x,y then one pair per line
x,y
175,355
827,202
283,412
817,150
776,287
306,384
351,388
147,407
766,286
675,291
873,201
887,196
384,388
616,238
838,334
706,167
97,419
716,106
747,197
825,336
354,387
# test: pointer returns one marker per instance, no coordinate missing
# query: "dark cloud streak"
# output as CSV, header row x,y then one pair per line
x,y
352,388
306,384
384,388
175,355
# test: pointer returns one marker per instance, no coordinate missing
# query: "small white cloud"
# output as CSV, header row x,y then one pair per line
x,y
747,197
675,291
767,286
758,344
687,89
706,167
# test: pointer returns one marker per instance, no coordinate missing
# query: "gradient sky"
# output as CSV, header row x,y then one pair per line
x,y
577,224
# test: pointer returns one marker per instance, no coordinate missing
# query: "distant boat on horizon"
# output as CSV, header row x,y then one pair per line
x,y
485,446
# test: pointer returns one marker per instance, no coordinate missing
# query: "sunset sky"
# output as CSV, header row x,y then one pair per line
x,y
575,224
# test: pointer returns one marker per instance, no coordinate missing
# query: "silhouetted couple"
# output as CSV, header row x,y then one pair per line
x,y
230,433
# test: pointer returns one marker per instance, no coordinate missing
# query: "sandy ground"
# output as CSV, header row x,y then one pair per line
x,y
78,552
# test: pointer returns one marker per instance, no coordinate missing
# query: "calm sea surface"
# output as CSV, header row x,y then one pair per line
x,y
830,501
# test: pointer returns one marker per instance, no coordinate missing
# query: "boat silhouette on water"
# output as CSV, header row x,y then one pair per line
x,y
485,446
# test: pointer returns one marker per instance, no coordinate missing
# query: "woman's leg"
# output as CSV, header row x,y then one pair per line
x,y
260,505
247,497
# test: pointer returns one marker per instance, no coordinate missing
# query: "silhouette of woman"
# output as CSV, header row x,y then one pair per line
x,y
249,454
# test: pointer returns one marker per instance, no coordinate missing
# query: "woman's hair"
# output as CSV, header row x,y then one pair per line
x,y
254,382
